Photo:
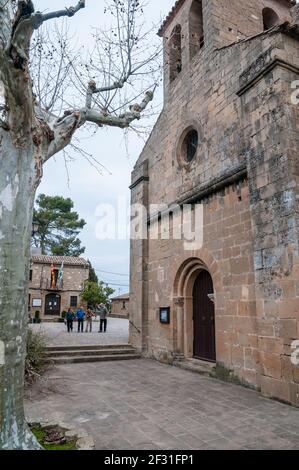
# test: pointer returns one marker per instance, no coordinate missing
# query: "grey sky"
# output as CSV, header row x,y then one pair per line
x,y
87,188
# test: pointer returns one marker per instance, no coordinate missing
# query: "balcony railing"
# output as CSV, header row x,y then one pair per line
x,y
46,284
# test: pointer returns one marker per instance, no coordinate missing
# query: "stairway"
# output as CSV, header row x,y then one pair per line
x,y
83,354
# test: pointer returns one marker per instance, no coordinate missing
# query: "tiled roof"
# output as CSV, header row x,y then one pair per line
x,y
175,9
67,260
121,297
178,4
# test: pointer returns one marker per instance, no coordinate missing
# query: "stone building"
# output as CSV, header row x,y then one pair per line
x,y
227,140
120,306
55,284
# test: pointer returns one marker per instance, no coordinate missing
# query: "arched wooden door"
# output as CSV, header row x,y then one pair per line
x,y
204,318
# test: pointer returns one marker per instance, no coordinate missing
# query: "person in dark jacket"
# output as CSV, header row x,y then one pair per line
x,y
69,320
80,318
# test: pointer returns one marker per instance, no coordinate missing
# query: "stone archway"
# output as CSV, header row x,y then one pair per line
x,y
185,280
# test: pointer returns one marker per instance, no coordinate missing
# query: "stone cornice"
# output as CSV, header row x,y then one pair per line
x,y
137,182
259,69
214,186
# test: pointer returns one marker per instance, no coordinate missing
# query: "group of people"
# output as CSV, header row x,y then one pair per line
x,y
87,316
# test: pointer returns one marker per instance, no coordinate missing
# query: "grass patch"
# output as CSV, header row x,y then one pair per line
x,y
222,373
42,435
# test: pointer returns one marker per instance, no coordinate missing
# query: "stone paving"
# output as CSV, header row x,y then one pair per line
x,y
57,335
146,405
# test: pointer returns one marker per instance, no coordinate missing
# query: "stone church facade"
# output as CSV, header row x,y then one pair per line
x,y
227,139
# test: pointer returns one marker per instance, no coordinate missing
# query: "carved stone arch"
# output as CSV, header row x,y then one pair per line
x,y
186,274
270,18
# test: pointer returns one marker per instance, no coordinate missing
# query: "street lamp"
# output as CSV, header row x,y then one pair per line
x,y
35,227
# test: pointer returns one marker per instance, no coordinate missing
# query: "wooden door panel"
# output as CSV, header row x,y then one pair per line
x,y
204,318
52,305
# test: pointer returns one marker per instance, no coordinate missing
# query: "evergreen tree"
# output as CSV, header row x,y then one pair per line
x,y
92,274
59,226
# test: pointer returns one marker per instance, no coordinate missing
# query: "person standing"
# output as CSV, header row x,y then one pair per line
x,y
69,320
89,315
103,312
80,318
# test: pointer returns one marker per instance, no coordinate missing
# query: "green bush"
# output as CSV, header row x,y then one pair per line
x,y
63,315
36,353
37,317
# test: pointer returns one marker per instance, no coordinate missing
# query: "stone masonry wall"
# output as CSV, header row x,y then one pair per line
x,y
272,160
246,174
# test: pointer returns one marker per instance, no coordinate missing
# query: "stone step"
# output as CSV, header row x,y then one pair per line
x,y
89,347
86,359
89,352
195,365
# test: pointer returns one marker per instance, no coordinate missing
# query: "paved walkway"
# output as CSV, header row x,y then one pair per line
x,y
57,335
146,405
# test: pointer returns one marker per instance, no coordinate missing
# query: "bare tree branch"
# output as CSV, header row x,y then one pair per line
x,y
66,12
123,120
65,127
24,27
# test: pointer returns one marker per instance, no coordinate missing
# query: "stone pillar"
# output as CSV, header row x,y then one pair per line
x,y
271,122
179,347
139,263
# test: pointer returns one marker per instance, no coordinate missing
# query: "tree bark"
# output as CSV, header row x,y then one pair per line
x,y
29,136
18,183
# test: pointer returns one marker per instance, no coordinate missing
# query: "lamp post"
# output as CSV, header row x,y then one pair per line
x,y
35,227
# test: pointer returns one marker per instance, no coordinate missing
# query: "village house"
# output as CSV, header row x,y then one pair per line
x,y
120,306
227,139
55,284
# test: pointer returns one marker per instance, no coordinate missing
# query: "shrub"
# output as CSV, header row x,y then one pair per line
x,y
36,353
37,317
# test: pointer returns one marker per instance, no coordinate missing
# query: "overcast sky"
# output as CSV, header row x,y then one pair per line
x,y
87,188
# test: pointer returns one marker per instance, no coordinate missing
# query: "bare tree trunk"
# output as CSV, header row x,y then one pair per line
x,y
17,191
30,134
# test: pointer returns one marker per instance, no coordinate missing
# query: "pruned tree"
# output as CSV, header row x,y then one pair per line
x,y
38,119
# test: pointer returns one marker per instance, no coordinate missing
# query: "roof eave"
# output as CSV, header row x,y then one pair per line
x,y
168,19
177,7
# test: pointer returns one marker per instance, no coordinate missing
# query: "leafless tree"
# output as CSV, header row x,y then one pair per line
x,y
48,91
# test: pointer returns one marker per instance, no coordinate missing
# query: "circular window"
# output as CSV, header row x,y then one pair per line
x,y
190,145
187,147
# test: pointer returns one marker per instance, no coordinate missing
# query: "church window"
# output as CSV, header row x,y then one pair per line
x,y
175,52
188,147
191,144
196,31
270,18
